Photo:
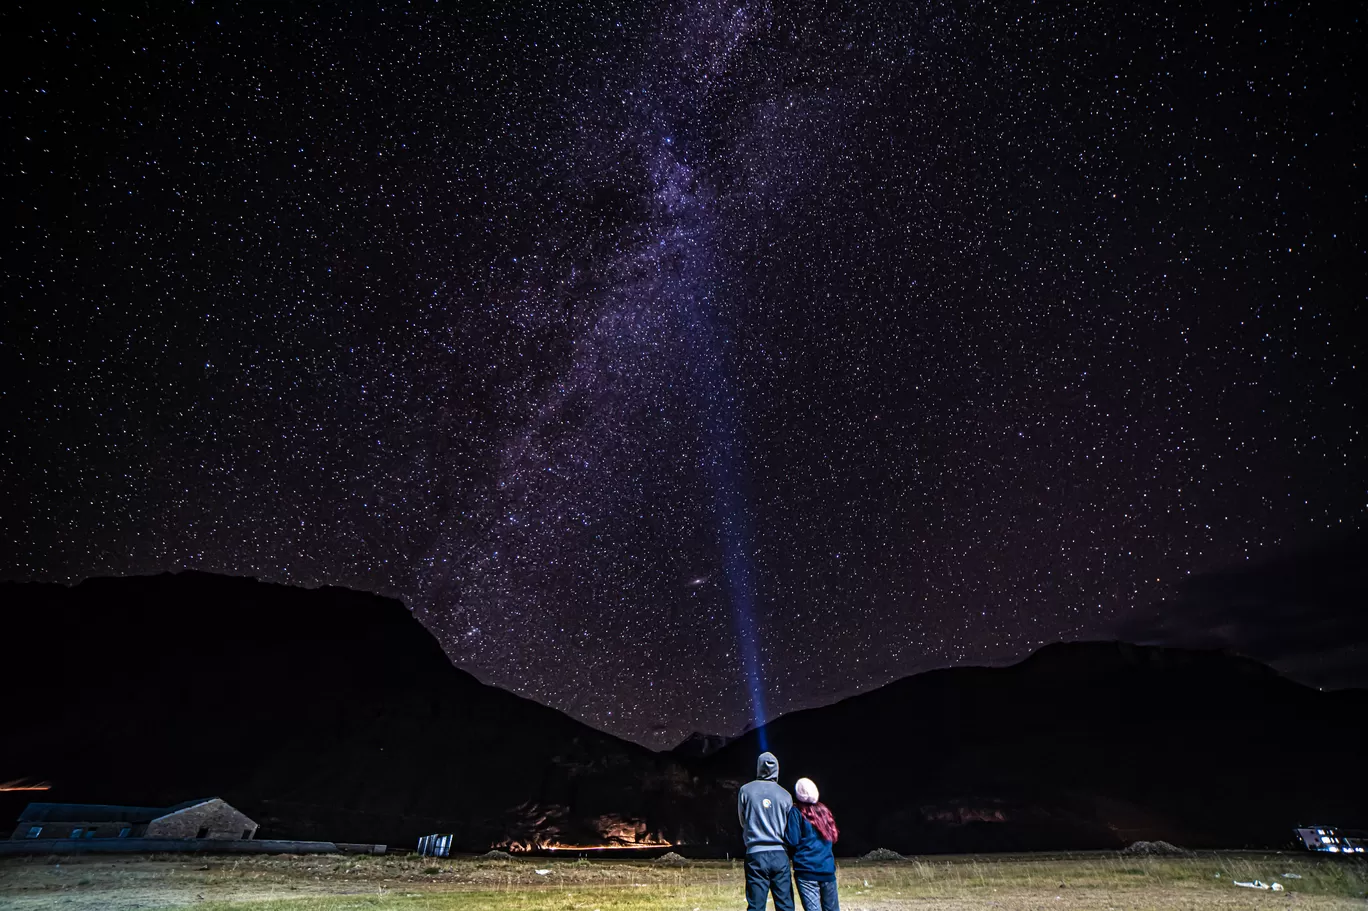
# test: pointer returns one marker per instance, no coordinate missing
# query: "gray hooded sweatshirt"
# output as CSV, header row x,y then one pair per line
x,y
763,807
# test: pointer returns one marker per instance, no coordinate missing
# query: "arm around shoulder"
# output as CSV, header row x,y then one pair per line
x,y
793,829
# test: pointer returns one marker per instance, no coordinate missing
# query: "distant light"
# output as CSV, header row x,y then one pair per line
x,y
22,784
1333,849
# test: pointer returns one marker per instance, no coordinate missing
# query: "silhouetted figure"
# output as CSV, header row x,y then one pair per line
x,y
763,807
810,833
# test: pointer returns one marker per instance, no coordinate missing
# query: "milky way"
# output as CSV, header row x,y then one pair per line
x,y
685,362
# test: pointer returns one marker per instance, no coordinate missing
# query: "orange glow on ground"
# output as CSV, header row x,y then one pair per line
x,y
662,844
518,848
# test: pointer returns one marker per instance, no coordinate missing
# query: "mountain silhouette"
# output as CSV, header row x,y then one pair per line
x,y
320,713
331,714
1082,745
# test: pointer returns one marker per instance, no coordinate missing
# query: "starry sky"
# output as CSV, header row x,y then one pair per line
x,y
683,361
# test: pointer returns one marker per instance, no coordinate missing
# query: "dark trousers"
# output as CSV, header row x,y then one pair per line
x,y
818,896
766,872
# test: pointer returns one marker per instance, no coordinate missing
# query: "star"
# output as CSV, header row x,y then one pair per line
x,y
944,333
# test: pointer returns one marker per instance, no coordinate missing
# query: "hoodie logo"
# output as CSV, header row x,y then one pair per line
x,y
766,803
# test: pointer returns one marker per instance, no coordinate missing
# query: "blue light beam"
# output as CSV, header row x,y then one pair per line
x,y
733,520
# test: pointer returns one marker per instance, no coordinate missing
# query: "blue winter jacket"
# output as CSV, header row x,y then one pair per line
x,y
812,860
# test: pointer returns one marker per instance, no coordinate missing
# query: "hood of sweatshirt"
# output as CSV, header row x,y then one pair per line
x,y
767,767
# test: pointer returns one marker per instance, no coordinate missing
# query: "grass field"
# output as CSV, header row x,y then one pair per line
x,y
1107,882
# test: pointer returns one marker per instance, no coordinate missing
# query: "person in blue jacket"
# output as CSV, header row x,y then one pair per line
x,y
810,833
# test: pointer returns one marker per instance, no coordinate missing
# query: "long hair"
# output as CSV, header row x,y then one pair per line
x,y
821,819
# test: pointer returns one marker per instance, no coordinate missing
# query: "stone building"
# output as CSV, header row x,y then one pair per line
x,y
212,818
206,818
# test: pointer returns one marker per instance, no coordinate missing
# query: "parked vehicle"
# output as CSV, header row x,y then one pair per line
x,y
1328,840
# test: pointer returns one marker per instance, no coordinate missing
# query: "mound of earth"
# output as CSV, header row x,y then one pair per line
x,y
1155,849
672,860
496,854
883,854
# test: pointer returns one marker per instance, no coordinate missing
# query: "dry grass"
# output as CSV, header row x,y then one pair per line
x,y
981,883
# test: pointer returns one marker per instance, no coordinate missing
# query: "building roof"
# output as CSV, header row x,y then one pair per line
x,y
185,805
98,812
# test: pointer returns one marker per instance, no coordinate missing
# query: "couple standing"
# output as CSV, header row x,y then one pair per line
x,y
773,828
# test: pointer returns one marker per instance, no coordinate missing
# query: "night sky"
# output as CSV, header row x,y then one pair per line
x,y
666,356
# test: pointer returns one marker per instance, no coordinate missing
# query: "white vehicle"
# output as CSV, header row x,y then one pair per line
x,y
1328,840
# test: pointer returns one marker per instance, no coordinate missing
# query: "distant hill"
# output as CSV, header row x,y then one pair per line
x,y
1086,745
333,714
320,713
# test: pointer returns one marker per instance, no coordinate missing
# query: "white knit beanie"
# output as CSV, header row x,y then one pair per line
x,y
805,790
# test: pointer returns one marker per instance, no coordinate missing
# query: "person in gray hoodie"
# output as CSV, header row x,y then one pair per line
x,y
763,807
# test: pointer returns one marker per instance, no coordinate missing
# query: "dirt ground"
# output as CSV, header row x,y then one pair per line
x,y
1105,882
